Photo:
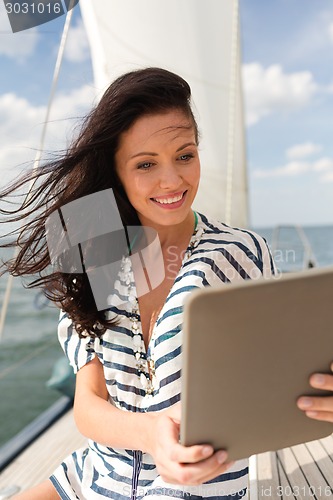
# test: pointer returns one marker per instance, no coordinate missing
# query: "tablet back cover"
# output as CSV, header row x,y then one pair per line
x,y
248,352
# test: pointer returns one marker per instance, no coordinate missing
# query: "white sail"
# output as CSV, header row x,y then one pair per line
x,y
198,39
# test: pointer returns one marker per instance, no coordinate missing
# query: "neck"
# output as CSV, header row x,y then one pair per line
x,y
176,235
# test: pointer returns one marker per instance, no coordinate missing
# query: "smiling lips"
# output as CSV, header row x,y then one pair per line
x,y
169,202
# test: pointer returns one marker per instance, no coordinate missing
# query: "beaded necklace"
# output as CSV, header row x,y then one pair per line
x,y
145,364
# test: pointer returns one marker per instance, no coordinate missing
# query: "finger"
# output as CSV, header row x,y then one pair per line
x,y
200,472
324,403
321,381
190,454
320,415
213,467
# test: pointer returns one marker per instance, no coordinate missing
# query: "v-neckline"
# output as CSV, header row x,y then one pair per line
x,y
144,354
193,241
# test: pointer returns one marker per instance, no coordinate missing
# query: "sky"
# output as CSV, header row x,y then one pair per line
x,y
287,72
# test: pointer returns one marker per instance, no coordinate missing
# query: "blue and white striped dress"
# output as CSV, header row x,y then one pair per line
x,y
220,254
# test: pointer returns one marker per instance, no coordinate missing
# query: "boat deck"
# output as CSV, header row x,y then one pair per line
x,y
303,472
42,457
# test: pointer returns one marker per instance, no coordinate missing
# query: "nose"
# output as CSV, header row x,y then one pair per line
x,y
170,177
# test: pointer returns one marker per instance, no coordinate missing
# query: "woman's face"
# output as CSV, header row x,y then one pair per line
x,y
158,165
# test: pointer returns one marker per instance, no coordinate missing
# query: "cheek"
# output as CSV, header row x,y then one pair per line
x,y
136,187
194,175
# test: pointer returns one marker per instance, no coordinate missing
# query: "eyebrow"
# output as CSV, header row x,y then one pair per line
x,y
149,153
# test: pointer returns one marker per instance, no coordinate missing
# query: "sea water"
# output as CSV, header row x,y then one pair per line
x,y
29,346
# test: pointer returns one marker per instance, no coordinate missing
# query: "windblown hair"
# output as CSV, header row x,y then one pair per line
x,y
88,166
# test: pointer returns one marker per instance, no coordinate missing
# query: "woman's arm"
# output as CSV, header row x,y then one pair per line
x,y
154,433
99,420
319,408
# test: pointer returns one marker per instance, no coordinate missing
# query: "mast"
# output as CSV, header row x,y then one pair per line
x,y
200,41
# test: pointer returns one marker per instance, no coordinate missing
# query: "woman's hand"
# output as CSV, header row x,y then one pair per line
x,y
319,407
177,464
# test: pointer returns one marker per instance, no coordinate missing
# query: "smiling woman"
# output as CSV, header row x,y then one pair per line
x,y
141,141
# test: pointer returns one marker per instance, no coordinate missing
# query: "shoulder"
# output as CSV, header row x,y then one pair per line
x,y
217,232
239,248
79,351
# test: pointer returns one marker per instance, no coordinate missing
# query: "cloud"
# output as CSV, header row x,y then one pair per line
x,y
323,167
77,100
271,90
18,134
16,46
77,46
330,31
327,177
21,125
290,169
303,150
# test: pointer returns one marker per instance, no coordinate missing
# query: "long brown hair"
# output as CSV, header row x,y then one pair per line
x,y
88,166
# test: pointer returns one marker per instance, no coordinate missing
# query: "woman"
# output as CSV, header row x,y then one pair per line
x,y
141,141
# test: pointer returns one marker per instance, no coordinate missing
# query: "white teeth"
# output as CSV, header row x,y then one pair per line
x,y
167,201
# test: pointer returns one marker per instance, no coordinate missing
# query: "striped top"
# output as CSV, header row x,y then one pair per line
x,y
219,254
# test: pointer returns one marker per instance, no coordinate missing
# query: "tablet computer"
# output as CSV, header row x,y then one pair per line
x,y
248,352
